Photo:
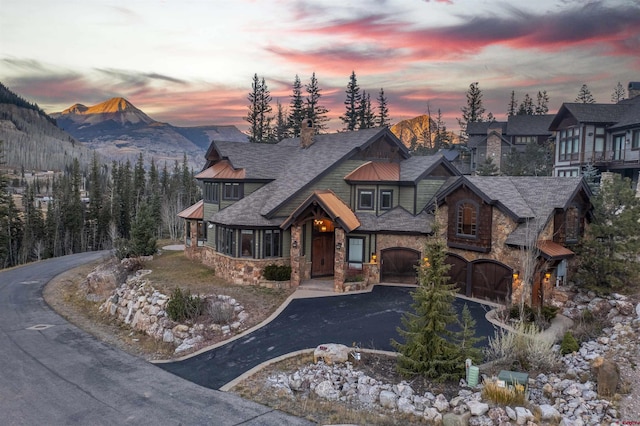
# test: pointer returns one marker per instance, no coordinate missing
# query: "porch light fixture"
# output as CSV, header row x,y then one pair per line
x,y
374,258
210,226
294,244
338,246
547,275
426,262
516,275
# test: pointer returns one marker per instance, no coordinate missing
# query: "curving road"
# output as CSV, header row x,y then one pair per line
x,y
369,319
56,374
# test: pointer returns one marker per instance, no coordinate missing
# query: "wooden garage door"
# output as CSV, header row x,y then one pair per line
x,y
399,265
490,280
458,273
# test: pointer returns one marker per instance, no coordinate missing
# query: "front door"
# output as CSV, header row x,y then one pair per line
x,y
322,254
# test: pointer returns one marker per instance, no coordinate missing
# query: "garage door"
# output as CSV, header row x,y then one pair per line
x,y
398,265
490,280
457,272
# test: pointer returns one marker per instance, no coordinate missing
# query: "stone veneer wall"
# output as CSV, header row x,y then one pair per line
x,y
240,271
385,241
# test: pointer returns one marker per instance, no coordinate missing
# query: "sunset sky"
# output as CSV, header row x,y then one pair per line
x,y
190,62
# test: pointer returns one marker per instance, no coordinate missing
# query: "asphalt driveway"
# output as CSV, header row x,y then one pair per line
x,y
369,319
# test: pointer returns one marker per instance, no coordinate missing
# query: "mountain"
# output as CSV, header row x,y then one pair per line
x,y
31,139
415,131
119,130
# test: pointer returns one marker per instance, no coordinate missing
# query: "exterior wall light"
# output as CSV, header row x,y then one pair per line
x,y
374,258
516,275
294,244
338,246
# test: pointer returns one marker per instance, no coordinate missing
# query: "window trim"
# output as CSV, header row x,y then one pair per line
x,y
460,219
381,197
212,192
226,240
569,144
373,199
349,261
276,235
635,139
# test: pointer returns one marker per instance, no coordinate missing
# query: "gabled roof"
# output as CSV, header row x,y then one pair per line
x,y
631,117
418,166
221,170
479,140
397,220
375,172
529,125
553,251
194,212
529,200
589,113
337,210
482,127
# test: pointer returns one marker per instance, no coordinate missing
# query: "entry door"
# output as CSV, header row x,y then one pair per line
x,y
322,255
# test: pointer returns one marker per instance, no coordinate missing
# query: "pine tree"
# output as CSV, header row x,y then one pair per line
x,y
154,192
542,105
352,103
281,126
585,96
591,174
526,107
474,110
428,348
512,107
297,111
442,138
488,168
259,110
366,119
316,112
143,241
608,253
382,118
466,338
139,182
618,94
10,223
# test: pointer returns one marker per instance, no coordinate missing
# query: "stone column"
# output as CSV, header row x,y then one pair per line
x,y
339,260
294,251
494,147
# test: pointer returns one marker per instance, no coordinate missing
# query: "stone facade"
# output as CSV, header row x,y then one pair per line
x,y
494,146
386,241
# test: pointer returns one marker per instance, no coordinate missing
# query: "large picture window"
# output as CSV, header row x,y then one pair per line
x,y
211,192
467,219
355,252
569,146
226,241
272,243
232,191
246,243
365,199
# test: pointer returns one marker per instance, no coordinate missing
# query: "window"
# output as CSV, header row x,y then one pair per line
x,y
272,243
467,219
226,241
386,199
365,199
618,147
568,173
246,243
355,254
522,140
572,223
569,146
635,140
232,191
211,192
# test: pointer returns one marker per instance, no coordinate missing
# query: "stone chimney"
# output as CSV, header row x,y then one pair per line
x,y
634,89
494,145
306,133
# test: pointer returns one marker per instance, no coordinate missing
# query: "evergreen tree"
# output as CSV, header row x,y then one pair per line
x,y
608,253
366,119
428,348
352,104
139,183
32,246
143,241
526,107
10,223
618,94
259,110
442,138
474,110
466,338
281,128
512,107
154,192
297,111
592,176
542,105
382,118
585,96
316,112
488,168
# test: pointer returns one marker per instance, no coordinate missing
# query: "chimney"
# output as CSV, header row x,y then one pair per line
x,y
494,146
306,133
634,89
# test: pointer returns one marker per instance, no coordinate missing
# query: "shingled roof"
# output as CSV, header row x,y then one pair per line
x,y
397,220
589,113
529,125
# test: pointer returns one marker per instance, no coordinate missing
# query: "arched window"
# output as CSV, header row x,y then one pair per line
x,y
467,219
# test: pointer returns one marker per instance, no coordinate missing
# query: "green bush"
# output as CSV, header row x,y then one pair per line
x,y
544,314
569,344
183,306
277,273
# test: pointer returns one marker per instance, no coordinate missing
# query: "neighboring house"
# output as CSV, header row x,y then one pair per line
x,y
496,139
501,230
606,136
357,208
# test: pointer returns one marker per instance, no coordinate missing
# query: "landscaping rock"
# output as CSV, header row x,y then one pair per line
x,y
607,376
549,413
388,399
451,419
326,390
477,408
331,353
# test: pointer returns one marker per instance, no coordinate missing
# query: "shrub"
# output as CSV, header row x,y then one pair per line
x,y
508,395
569,344
220,311
183,306
277,273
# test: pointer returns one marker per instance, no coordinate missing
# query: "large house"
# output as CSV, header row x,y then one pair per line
x,y
357,208
605,136
496,139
